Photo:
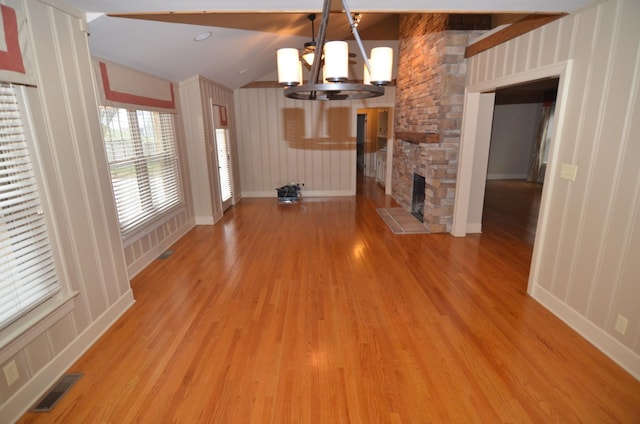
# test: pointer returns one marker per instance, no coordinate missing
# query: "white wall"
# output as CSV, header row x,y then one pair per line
x,y
513,136
585,265
281,141
85,225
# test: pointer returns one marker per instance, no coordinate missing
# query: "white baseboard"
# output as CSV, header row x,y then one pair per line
x,y
204,220
506,176
143,261
270,193
609,345
305,193
328,193
37,386
474,227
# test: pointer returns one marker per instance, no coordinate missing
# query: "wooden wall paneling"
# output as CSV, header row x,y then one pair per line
x,y
198,96
84,222
581,155
584,272
619,109
53,93
207,96
549,44
38,353
501,62
566,38
110,256
299,141
606,103
521,53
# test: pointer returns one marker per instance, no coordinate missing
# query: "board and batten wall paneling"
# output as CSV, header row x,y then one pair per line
x,y
198,97
585,266
283,141
85,232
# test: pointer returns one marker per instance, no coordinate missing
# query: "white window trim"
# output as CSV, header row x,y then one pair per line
x,y
145,228
21,332
148,227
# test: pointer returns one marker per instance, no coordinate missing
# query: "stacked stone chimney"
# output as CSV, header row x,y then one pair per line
x,y
428,116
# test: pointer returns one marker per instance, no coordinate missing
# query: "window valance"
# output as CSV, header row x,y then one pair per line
x,y
127,88
16,61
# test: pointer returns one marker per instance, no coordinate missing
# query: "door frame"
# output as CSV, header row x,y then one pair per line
x,y
473,152
214,172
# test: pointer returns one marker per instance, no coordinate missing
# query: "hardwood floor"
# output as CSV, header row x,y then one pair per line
x,y
316,313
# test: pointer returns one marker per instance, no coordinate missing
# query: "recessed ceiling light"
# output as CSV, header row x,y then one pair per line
x,y
244,71
203,36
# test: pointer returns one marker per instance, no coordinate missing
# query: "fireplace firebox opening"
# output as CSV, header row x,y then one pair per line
x,y
417,202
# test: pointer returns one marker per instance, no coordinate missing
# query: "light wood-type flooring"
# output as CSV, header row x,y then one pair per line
x,y
316,313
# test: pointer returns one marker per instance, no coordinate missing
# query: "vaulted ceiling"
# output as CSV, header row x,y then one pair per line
x,y
157,36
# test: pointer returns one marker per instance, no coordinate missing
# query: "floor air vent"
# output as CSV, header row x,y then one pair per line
x,y
165,254
56,393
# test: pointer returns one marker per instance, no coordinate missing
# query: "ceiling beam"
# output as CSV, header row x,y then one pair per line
x,y
526,24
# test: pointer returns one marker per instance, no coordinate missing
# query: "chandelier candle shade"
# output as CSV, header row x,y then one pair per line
x,y
336,61
288,67
381,65
333,58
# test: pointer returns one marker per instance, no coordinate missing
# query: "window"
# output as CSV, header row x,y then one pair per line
x,y
28,274
141,151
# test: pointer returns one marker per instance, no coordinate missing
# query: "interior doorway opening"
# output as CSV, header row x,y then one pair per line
x,y
522,125
372,144
474,155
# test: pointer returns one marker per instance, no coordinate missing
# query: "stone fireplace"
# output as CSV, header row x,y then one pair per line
x,y
428,116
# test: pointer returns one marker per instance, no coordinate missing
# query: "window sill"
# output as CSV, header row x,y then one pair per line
x,y
19,334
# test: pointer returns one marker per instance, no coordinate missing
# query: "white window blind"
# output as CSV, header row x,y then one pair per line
x,y
143,160
27,269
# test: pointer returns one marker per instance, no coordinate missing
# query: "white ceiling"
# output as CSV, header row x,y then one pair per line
x,y
235,57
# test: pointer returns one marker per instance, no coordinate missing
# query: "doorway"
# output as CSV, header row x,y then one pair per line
x,y
222,156
474,153
520,137
361,136
372,147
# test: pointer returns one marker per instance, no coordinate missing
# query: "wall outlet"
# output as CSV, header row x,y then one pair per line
x,y
621,324
11,372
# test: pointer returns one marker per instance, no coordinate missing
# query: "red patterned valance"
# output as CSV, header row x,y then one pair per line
x,y
124,87
16,65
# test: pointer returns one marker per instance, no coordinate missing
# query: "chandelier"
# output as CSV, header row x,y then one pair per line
x,y
333,59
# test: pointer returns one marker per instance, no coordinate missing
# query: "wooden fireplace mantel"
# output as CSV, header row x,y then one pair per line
x,y
418,137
